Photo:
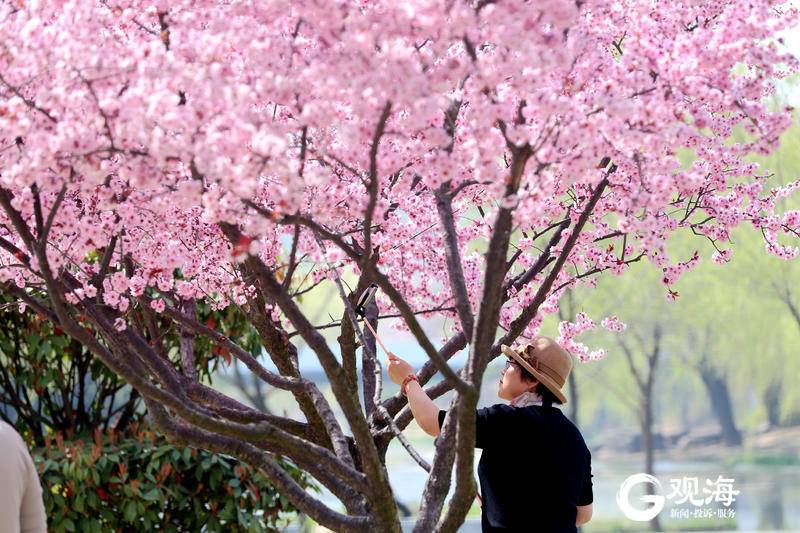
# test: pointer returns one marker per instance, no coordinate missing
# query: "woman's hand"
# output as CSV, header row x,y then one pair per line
x,y
398,369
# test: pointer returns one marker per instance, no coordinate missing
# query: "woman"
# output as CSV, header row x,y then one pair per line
x,y
21,502
535,469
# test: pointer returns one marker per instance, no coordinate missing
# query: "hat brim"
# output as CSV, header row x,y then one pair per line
x,y
543,378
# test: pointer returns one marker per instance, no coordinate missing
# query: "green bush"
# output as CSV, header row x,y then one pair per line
x,y
50,383
101,467
139,481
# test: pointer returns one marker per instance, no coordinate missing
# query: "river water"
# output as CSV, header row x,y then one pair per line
x,y
768,497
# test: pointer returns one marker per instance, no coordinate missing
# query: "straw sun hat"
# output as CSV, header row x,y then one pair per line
x,y
546,360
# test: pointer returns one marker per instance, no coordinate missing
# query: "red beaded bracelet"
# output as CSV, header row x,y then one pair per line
x,y
410,377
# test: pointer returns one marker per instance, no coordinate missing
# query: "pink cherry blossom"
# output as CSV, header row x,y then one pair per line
x,y
613,323
158,154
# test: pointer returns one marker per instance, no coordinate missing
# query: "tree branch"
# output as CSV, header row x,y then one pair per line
x,y
455,270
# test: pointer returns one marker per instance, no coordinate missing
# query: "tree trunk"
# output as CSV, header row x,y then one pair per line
x,y
573,398
772,402
648,447
567,312
685,419
721,404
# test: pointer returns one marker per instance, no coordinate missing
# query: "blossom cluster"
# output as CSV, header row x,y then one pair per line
x,y
163,121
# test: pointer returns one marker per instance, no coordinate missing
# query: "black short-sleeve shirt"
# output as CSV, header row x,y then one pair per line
x,y
535,468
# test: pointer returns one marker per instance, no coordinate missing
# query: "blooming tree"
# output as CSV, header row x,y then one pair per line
x,y
159,154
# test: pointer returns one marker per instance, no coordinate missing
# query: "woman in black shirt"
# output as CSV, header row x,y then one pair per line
x,y
535,469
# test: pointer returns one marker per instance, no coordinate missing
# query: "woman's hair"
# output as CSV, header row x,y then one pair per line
x,y
540,389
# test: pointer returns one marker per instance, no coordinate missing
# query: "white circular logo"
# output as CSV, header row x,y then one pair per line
x,y
640,515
